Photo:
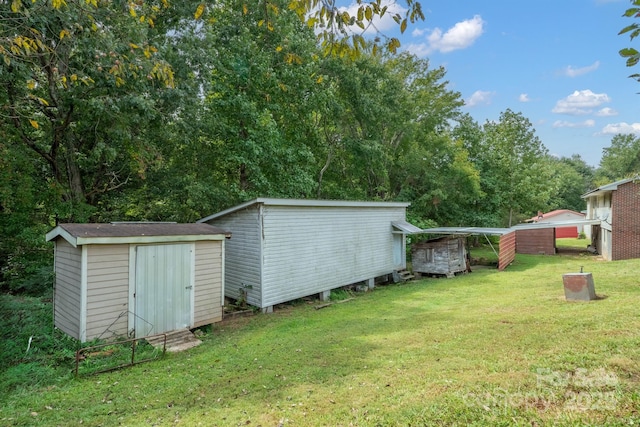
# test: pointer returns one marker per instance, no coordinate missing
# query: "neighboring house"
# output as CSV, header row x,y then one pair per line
x,y
560,215
617,207
136,279
284,249
443,256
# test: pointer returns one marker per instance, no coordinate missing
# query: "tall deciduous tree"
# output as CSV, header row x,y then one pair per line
x,y
516,173
620,160
76,80
573,177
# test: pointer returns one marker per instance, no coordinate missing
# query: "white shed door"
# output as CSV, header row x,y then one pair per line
x,y
163,288
398,250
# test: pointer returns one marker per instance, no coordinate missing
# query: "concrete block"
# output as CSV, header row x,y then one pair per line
x,y
578,287
371,283
325,295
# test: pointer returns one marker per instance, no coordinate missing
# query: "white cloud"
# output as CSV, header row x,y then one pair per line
x,y
524,97
460,36
580,103
479,97
606,112
569,71
420,50
564,124
624,128
417,32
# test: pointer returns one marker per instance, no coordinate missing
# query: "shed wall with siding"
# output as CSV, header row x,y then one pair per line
x,y
107,290
208,290
67,294
243,254
308,250
282,252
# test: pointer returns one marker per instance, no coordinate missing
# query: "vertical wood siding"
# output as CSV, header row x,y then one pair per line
x,y
208,283
439,256
67,265
307,250
507,251
243,254
107,290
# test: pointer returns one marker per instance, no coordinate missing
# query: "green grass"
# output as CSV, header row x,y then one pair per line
x,y
572,243
486,348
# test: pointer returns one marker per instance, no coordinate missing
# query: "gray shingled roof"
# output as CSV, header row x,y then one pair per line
x,y
125,229
138,231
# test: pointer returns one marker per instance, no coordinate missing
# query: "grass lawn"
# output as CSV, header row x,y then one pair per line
x,y
486,348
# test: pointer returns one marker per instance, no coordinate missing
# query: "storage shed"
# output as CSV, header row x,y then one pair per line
x,y
136,279
284,249
444,256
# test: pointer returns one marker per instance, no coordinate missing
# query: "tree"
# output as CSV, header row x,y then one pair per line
x,y
631,54
76,79
515,171
431,166
343,34
620,160
573,177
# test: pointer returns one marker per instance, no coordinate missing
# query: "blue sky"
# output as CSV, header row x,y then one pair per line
x,y
554,61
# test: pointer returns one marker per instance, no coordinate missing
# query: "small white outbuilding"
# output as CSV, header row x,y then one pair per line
x,y
284,249
136,279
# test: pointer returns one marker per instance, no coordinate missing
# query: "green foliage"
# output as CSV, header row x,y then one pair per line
x,y
170,111
33,353
633,30
620,160
573,178
340,295
515,173
102,357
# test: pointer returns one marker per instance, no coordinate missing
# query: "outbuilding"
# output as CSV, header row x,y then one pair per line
x,y
136,279
440,256
285,249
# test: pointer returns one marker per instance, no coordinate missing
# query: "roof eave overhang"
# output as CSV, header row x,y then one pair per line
x,y
79,241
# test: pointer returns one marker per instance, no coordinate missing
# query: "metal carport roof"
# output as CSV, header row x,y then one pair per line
x,y
468,230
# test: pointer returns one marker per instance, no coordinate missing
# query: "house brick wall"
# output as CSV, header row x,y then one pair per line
x,y
625,220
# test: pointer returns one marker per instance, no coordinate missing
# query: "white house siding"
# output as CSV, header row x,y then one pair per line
x,y
243,254
208,283
107,291
599,207
308,250
68,264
